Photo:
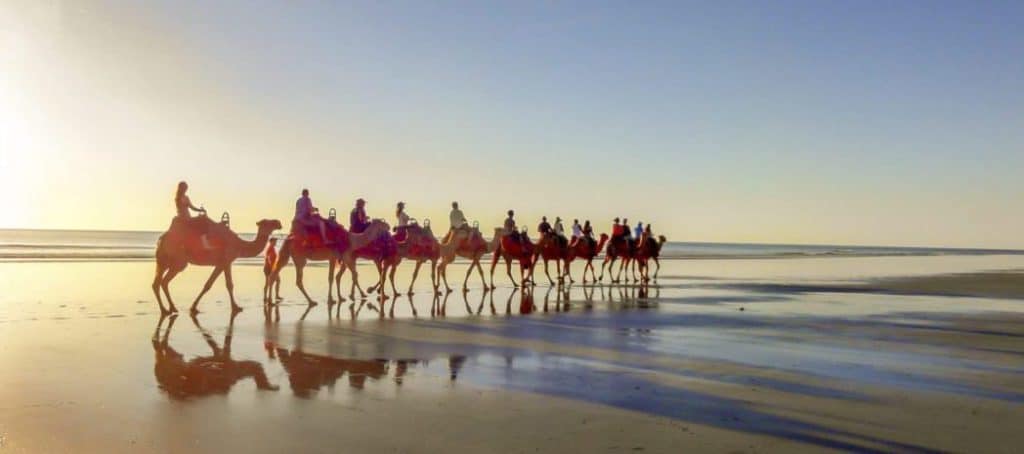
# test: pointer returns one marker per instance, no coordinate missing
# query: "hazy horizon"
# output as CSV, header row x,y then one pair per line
x,y
783,122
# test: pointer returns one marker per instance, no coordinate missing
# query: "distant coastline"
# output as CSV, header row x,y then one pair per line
x,y
30,245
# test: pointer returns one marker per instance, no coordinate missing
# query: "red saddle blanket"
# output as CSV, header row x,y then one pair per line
x,y
308,237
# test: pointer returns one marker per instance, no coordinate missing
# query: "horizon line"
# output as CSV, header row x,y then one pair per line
x,y
670,241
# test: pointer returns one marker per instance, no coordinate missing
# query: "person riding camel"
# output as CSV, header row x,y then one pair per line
x,y
588,230
458,221
638,232
647,235
625,230
357,219
560,232
183,218
306,215
544,228
616,230
577,232
510,226
401,230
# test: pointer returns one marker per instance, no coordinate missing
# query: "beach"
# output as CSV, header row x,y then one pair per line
x,y
916,353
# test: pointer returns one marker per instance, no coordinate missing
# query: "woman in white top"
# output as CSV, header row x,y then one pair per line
x,y
577,229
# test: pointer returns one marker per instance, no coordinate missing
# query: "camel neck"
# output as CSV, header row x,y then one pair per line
x,y
256,246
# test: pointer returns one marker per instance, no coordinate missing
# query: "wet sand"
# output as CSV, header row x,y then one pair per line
x,y
802,355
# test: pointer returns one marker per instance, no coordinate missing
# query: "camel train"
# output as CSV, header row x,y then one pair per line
x,y
201,241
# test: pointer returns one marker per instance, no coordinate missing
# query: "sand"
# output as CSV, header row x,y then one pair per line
x,y
731,356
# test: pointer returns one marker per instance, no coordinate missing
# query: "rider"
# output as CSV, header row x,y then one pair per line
x,y
184,207
577,232
458,221
616,230
588,231
403,222
357,218
510,224
625,229
560,232
639,230
456,217
306,215
544,228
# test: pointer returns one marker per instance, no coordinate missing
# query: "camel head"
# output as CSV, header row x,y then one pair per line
x,y
268,225
604,237
377,228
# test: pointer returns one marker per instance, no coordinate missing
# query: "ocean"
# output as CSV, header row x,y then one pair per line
x,y
27,245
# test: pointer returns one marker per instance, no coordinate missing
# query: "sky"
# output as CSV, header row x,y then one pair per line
x,y
859,122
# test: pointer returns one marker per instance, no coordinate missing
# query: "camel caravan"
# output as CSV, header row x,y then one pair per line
x,y
199,240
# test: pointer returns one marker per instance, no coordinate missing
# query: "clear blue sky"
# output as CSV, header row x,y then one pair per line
x,y
838,122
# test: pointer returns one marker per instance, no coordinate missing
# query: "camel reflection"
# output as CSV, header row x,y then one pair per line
x,y
309,372
203,375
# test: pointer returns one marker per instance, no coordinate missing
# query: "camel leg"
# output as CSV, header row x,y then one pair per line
x,y
337,281
433,275
160,269
165,284
229,282
494,264
443,275
206,287
465,282
415,273
547,273
391,277
299,268
330,282
657,267
381,276
508,270
355,281
604,262
480,269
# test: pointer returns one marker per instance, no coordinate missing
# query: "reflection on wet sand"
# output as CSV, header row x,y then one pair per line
x,y
623,353
202,375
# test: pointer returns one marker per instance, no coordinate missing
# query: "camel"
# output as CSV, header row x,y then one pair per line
x,y
468,244
584,250
341,253
180,246
507,248
308,246
551,247
377,246
649,249
419,245
618,248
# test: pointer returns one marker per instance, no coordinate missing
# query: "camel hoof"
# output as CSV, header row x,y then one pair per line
x,y
193,311
450,290
410,293
236,308
312,303
465,289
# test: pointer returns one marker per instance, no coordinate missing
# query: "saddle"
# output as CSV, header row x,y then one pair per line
x,y
308,237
